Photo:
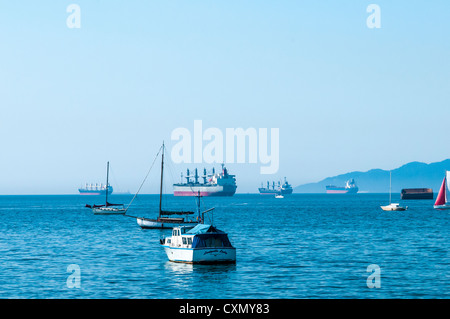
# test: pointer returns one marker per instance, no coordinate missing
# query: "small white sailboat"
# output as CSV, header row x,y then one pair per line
x,y
203,244
166,219
108,208
442,201
392,206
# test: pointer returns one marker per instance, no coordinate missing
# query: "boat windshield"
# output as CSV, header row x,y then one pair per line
x,y
211,240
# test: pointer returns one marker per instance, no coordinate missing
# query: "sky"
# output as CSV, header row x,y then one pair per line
x,y
345,97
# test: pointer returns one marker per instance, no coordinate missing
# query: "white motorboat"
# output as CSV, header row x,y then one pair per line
x,y
442,201
279,196
202,244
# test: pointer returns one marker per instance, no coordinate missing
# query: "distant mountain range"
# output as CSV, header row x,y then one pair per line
x,y
411,175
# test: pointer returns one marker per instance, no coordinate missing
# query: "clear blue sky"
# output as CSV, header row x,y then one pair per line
x,y
345,97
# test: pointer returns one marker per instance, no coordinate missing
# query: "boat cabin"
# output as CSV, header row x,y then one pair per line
x,y
201,236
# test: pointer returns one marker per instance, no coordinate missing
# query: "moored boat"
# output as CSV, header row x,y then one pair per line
x,y
107,208
164,221
168,219
392,206
442,201
202,244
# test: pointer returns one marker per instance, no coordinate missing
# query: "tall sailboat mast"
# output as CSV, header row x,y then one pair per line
x,y
107,181
390,187
161,185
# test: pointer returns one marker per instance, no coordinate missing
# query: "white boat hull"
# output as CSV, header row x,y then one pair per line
x,y
155,224
109,211
201,255
393,208
441,206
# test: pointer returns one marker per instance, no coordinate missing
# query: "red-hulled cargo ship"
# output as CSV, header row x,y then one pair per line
x,y
349,188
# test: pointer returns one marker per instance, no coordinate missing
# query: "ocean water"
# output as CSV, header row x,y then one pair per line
x,y
302,246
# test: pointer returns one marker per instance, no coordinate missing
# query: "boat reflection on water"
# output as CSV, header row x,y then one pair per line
x,y
185,268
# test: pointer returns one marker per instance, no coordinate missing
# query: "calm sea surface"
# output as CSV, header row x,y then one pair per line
x,y
302,246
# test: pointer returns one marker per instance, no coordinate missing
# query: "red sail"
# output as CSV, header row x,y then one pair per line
x,y
441,197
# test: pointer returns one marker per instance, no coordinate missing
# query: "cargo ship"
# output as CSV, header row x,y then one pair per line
x,y
270,191
417,193
285,189
213,184
95,189
349,188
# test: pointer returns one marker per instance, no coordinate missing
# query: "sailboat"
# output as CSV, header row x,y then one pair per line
x,y
107,208
392,206
166,218
442,201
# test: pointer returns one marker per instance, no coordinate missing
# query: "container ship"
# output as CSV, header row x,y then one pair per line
x,y
95,189
417,193
213,184
349,188
285,189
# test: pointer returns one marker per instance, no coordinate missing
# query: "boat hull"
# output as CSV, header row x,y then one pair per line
x,y
416,193
265,191
192,190
84,191
343,190
146,223
109,211
392,208
441,207
210,255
